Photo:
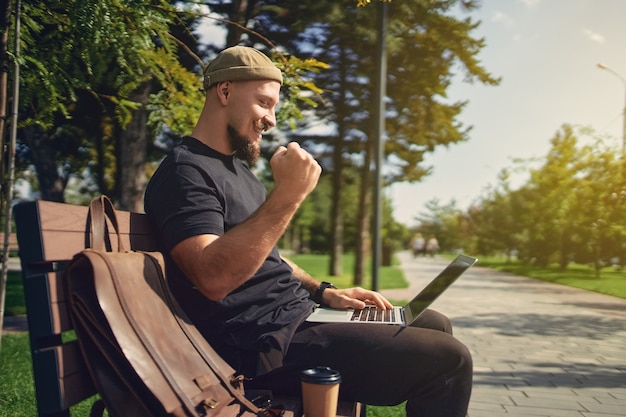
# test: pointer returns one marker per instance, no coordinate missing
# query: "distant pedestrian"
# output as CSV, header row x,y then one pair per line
x,y
418,245
432,246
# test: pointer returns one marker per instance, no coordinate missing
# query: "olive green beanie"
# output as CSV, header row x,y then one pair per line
x,y
239,63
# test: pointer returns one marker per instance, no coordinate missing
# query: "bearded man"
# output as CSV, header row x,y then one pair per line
x,y
219,231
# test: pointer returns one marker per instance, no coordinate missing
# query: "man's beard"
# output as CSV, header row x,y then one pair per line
x,y
243,148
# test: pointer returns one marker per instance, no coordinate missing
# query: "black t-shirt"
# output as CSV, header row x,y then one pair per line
x,y
197,190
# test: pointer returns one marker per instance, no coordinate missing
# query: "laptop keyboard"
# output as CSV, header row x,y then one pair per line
x,y
373,313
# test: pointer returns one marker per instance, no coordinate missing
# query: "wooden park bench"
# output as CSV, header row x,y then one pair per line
x,y
49,235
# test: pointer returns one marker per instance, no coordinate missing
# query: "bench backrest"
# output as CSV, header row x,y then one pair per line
x,y
49,234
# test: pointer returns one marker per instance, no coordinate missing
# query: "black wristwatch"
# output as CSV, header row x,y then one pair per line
x,y
317,297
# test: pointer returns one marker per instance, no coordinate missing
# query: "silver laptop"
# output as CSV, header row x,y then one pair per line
x,y
401,316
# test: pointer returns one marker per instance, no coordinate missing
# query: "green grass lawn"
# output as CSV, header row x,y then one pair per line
x,y
17,394
14,302
612,281
17,391
318,265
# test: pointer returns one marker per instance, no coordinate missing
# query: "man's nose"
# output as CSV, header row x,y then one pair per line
x,y
269,120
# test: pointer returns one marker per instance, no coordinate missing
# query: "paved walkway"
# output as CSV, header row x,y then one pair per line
x,y
539,349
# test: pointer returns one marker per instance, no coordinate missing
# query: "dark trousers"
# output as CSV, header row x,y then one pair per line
x,y
384,365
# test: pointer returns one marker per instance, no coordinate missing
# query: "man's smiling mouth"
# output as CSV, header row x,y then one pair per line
x,y
261,126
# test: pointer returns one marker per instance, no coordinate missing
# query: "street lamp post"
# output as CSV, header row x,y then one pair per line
x,y
604,67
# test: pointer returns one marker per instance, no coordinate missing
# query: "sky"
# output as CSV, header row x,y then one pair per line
x,y
546,52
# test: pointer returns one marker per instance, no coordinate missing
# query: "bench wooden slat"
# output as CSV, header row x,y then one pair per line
x,y
52,382
46,301
60,232
54,218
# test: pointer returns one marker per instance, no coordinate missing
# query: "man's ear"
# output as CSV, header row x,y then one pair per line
x,y
223,91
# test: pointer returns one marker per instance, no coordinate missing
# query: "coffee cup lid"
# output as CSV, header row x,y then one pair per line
x,y
320,375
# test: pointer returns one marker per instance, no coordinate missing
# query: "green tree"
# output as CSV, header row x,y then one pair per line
x,y
394,235
495,219
425,43
102,80
88,68
549,201
570,209
597,215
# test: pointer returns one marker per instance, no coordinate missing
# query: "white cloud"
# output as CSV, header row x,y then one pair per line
x,y
502,18
595,37
530,3
210,31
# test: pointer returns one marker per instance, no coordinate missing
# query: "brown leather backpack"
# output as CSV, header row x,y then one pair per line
x,y
145,356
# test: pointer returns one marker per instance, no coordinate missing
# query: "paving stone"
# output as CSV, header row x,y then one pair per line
x,y
618,393
494,396
541,412
548,392
608,400
478,407
550,403
607,408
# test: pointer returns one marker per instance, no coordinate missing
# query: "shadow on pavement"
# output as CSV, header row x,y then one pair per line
x,y
530,324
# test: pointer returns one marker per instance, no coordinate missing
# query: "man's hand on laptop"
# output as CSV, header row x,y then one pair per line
x,y
356,298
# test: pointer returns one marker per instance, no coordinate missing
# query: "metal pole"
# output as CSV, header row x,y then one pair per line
x,y
379,129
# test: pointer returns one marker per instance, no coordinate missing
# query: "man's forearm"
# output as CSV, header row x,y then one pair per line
x,y
308,282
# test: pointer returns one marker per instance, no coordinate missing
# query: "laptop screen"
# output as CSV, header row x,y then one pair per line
x,y
437,286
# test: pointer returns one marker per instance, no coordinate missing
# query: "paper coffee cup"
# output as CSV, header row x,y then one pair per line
x,y
320,391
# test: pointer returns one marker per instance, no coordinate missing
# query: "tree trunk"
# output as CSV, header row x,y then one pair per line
x,y
239,14
336,266
5,19
363,244
336,250
51,182
5,24
132,155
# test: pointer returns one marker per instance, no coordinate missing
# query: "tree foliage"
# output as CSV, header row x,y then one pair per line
x,y
91,68
83,66
104,48
570,209
426,46
89,62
